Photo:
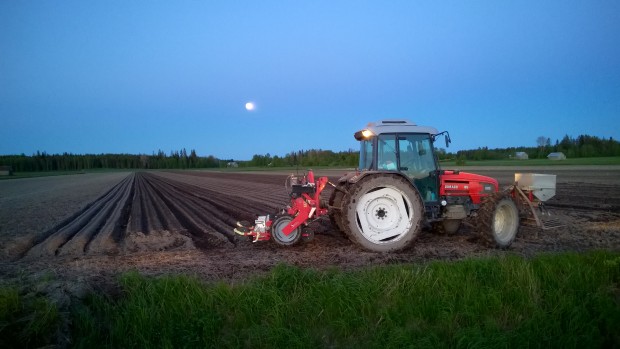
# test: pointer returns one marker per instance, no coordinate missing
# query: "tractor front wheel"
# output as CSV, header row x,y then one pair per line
x,y
498,220
383,213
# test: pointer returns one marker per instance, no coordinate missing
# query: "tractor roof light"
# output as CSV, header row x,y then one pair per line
x,y
363,135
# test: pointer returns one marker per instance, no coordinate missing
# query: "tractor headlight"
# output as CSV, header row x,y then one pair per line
x,y
363,134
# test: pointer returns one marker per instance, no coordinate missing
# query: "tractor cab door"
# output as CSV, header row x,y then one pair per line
x,y
417,161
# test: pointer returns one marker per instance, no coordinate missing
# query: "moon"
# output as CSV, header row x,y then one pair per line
x,y
249,106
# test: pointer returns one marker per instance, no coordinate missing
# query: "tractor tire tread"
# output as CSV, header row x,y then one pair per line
x,y
484,219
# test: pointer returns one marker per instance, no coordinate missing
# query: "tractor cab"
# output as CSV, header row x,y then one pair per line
x,y
405,147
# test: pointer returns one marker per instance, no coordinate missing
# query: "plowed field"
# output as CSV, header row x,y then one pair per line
x,y
86,227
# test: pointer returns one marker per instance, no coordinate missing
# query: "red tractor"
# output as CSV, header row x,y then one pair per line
x,y
397,187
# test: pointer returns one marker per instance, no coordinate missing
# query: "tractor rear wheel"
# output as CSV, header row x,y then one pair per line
x,y
278,235
498,220
382,213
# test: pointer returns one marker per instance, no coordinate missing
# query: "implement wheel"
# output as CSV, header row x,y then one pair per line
x,y
383,213
498,220
278,235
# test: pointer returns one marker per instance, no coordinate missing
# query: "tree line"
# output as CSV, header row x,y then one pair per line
x,y
42,161
581,146
307,158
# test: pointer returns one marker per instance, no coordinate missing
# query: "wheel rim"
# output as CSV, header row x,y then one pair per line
x,y
279,234
504,223
384,215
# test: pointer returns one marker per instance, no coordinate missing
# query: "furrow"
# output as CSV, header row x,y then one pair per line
x,y
66,230
221,215
160,216
107,238
138,219
188,217
240,207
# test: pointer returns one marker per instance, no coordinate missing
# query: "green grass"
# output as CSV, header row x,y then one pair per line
x,y
539,162
564,301
26,321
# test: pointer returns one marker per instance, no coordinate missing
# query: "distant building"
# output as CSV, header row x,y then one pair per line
x,y
521,155
6,171
556,156
232,164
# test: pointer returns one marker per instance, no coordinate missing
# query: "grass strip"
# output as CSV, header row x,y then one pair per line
x,y
26,321
564,301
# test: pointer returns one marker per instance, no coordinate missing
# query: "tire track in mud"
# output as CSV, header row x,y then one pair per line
x,y
146,212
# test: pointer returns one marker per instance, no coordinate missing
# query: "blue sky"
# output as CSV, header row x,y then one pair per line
x,y
138,76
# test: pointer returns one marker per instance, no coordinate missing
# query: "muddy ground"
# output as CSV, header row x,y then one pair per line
x,y
79,232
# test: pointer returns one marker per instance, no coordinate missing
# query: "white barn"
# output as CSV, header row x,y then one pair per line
x,y
521,155
556,156
6,171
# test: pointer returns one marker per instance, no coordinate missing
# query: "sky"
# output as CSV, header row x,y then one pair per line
x,y
91,77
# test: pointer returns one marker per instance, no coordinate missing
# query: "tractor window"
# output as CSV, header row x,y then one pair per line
x,y
386,152
366,154
416,155
418,162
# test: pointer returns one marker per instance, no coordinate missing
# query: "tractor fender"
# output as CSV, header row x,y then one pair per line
x,y
354,177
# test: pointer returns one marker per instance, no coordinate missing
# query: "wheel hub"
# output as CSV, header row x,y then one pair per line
x,y
276,231
383,214
502,224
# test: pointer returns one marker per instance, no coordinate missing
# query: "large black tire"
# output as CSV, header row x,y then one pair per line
x,y
383,213
279,237
335,214
497,221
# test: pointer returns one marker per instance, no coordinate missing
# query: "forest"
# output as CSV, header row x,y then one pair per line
x,y
41,161
579,147
583,146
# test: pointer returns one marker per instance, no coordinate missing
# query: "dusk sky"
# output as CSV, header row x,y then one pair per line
x,y
139,76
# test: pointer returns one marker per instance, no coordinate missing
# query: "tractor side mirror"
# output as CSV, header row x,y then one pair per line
x,y
446,137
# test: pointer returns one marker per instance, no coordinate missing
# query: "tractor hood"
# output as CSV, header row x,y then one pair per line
x,y
456,183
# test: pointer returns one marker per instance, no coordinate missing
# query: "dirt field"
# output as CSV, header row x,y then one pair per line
x,y
83,230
